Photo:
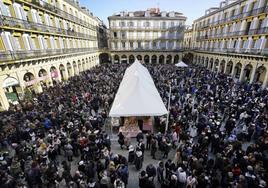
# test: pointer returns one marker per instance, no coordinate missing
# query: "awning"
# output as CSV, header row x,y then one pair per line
x,y
10,81
137,95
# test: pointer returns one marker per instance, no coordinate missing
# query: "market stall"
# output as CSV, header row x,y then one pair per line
x,y
137,99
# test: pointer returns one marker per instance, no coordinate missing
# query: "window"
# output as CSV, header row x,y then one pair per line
x,y
16,43
115,35
154,44
130,24
4,9
131,44
172,24
122,24
123,45
139,44
123,35
146,24
115,45
163,25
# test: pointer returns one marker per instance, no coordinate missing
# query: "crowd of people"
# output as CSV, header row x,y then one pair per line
x,y
218,127
217,130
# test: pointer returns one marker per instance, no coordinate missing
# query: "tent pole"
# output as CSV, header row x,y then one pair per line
x,y
169,95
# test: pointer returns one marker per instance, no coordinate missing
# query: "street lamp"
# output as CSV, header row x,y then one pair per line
x,y
169,96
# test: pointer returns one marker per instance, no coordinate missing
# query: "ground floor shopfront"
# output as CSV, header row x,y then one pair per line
x,y
244,68
18,80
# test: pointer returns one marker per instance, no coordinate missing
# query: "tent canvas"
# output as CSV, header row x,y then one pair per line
x,y
137,95
181,64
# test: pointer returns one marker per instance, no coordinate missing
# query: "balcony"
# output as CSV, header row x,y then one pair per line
x,y
27,54
64,14
18,23
263,52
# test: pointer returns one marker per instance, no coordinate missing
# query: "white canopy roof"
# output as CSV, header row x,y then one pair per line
x,y
137,95
181,64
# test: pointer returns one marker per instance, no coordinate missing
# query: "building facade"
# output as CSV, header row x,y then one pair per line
x,y
188,38
150,36
232,39
43,42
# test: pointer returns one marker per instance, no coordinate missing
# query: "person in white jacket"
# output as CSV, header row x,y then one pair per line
x,y
182,177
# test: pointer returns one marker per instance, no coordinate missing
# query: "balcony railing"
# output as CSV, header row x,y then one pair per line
x,y
14,22
27,54
147,28
148,49
253,12
259,31
62,13
252,51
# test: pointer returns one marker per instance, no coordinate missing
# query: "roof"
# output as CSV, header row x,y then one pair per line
x,y
137,95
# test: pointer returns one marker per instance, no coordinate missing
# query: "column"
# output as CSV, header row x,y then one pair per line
x,y
265,82
172,59
37,85
233,70
241,77
252,76
3,99
150,59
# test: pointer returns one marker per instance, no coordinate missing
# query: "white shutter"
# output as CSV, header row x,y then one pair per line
x,y
46,19
4,9
39,20
52,42
23,13
34,17
31,42
6,40
57,22
17,7
26,42
40,39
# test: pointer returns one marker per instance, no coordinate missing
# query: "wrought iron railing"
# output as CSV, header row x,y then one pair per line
x,y
27,54
15,22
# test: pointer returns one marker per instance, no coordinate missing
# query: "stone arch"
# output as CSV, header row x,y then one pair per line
x,y
84,64
222,66
260,74
154,59
75,67
104,57
80,68
247,72
69,69
176,59
124,59
238,68
211,64
131,58
139,57
169,59
63,72
42,72
54,74
146,59
116,59
206,63
229,67
29,80
161,59
216,65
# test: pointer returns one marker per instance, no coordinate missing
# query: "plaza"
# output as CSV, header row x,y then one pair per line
x,y
64,73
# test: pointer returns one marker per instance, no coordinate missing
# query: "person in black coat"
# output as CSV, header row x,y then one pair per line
x,y
143,179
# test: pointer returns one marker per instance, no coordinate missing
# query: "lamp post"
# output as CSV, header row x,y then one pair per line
x,y
169,96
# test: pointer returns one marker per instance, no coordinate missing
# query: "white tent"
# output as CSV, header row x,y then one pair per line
x,y
137,95
181,64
